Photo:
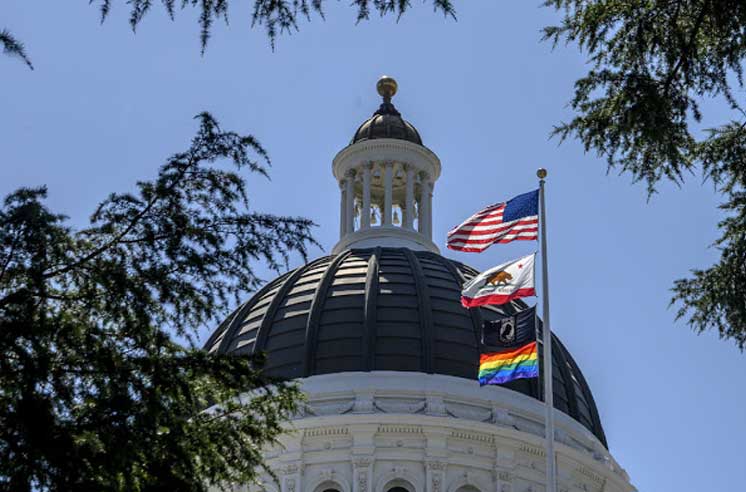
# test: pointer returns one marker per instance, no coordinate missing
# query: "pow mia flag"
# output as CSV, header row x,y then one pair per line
x,y
510,331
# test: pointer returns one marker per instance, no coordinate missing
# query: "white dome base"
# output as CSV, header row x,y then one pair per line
x,y
371,432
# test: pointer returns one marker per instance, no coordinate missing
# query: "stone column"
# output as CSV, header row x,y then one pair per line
x,y
504,467
350,201
388,191
365,212
342,204
362,473
426,196
290,476
409,201
504,481
435,476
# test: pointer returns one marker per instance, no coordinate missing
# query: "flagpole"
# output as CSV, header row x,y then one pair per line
x,y
547,339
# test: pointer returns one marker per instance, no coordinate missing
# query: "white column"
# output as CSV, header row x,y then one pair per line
x,y
504,467
365,212
409,201
425,201
388,191
291,475
349,201
429,199
342,203
435,475
362,473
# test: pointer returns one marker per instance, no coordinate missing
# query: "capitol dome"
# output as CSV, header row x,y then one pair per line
x,y
383,309
377,339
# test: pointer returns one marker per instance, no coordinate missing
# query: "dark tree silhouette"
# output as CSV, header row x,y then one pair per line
x,y
652,65
13,47
95,394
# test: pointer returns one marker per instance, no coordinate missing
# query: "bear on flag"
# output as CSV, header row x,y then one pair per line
x,y
501,284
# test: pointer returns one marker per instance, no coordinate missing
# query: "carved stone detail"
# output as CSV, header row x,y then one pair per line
x,y
364,403
436,406
327,474
500,416
362,462
362,480
399,407
437,482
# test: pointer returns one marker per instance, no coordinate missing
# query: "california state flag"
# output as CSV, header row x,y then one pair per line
x,y
501,284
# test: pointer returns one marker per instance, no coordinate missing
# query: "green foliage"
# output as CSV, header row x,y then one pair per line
x,y
277,16
13,47
653,63
94,392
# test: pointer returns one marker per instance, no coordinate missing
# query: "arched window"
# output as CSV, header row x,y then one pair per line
x,y
468,488
328,486
398,485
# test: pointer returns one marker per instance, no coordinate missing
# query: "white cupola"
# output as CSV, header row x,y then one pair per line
x,y
386,178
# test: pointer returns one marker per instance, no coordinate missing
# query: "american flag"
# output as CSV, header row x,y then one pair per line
x,y
514,220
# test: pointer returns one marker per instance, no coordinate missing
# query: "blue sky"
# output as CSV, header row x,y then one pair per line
x,y
105,107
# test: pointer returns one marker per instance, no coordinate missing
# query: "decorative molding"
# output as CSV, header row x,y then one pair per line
x,y
436,406
473,436
291,469
364,403
362,461
461,411
532,450
327,431
501,416
389,406
387,149
590,475
332,408
399,429
386,236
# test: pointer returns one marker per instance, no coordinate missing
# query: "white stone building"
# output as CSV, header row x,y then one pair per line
x,y
388,357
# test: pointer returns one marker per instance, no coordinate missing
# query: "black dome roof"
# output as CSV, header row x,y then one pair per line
x,y
382,309
387,122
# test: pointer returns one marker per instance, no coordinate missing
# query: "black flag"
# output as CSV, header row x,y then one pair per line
x,y
510,331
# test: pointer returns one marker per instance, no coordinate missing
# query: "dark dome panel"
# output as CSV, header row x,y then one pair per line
x,y
387,122
382,309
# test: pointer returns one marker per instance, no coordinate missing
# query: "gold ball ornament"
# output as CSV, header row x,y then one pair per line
x,y
541,173
387,86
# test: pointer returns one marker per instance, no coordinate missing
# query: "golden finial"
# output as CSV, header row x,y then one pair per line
x,y
386,87
541,173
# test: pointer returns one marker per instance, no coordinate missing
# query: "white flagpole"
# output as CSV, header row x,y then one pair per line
x,y
547,339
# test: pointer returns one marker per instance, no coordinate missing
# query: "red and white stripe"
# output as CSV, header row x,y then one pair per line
x,y
486,227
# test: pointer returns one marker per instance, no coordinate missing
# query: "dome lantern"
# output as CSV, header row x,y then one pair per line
x,y
386,178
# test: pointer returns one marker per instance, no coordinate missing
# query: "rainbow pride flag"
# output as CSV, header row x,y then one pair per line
x,y
507,365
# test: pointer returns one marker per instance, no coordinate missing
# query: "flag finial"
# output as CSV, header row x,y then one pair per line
x,y
541,173
387,87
